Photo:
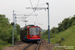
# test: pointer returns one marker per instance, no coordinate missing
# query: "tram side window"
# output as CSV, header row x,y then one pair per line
x,y
25,32
37,31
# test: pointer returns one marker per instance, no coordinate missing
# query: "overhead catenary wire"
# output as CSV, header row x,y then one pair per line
x,y
30,13
31,3
34,9
32,6
37,3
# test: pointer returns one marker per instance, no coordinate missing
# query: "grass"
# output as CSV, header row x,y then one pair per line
x,y
18,36
3,44
69,38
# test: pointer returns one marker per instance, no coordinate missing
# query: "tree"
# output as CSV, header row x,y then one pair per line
x,y
6,30
63,25
18,29
71,21
54,30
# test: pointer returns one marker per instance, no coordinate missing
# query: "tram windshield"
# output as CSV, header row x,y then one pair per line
x,y
34,31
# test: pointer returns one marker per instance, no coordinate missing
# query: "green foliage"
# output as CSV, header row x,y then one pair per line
x,y
2,43
54,30
71,21
68,35
6,31
18,29
65,30
62,26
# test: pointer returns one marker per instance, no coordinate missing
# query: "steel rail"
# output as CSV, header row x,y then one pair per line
x,y
37,48
27,46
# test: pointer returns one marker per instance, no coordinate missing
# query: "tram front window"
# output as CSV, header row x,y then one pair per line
x,y
34,31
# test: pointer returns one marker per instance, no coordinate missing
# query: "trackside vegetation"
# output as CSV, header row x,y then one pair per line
x,y
68,35
64,34
6,32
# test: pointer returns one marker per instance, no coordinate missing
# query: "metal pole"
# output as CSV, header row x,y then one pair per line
x,y
15,21
48,25
13,31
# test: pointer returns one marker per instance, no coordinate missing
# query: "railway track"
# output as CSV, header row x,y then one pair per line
x,y
37,48
27,47
33,46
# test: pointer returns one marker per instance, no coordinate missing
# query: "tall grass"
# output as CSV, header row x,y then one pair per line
x,y
68,36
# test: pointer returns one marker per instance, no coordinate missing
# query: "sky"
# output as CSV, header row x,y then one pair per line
x,y
58,11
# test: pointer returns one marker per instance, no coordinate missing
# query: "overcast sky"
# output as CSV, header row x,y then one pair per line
x,y
59,9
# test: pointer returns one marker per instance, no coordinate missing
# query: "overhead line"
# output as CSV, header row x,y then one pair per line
x,y
31,3
34,9
37,3
32,6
